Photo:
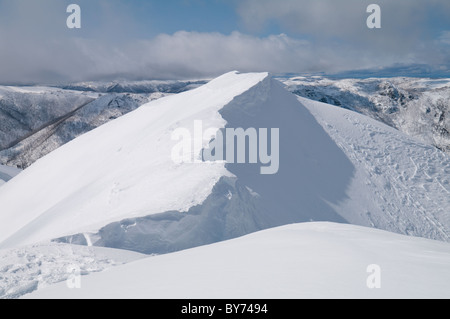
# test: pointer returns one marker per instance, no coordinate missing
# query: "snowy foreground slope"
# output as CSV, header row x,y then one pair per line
x,y
117,186
27,269
311,260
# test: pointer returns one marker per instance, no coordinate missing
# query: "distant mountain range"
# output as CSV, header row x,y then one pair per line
x,y
101,174
419,107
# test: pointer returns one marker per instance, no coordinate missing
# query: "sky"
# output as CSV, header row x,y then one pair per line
x,y
181,39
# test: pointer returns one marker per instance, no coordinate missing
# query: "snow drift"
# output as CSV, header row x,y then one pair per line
x,y
310,260
117,185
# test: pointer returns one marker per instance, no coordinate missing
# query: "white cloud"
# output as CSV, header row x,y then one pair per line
x,y
338,39
181,55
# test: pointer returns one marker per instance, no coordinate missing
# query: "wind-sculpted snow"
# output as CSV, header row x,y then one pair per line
x,y
400,184
313,173
117,186
418,107
26,269
120,170
309,260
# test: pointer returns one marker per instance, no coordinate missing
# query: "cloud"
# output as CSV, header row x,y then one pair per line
x,y
324,36
406,24
181,55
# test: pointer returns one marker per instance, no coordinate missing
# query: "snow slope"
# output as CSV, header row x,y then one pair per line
x,y
121,170
312,260
400,184
118,187
26,269
417,106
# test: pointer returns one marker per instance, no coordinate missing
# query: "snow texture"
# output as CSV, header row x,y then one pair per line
x,y
400,184
117,186
26,269
310,260
418,107
111,185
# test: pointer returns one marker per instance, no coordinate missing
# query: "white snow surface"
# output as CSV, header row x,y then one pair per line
x,y
418,107
26,269
120,170
309,260
117,186
335,166
400,184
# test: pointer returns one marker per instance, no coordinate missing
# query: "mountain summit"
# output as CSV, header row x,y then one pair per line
x,y
119,186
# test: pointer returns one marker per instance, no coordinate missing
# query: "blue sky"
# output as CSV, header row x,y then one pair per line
x,y
140,39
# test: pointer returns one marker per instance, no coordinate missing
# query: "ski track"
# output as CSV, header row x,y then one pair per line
x,y
408,183
24,270
406,178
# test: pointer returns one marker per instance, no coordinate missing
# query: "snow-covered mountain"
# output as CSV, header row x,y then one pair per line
x,y
419,107
118,186
110,186
38,120
311,260
27,269
136,87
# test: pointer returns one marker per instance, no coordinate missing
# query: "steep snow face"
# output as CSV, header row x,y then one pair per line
x,y
118,186
311,260
400,184
416,106
313,172
121,170
365,177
